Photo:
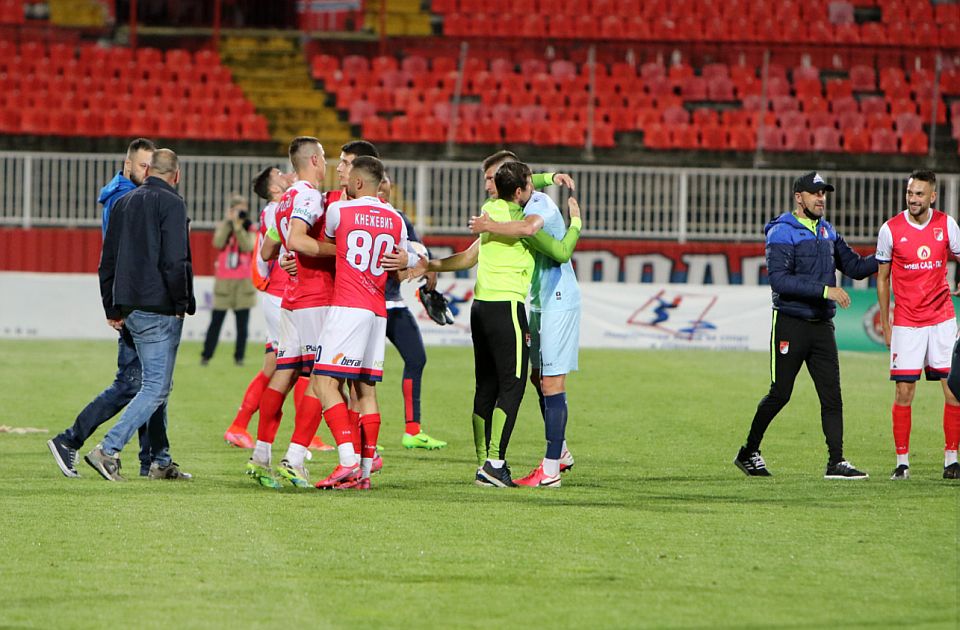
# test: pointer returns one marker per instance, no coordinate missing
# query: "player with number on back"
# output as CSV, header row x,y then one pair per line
x,y
912,249
352,340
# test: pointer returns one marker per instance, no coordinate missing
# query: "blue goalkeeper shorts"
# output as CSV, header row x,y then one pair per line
x,y
554,341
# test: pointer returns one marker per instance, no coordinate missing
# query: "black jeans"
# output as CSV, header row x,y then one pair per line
x,y
793,342
213,334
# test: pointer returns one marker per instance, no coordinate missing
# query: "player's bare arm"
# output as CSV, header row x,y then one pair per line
x,y
459,261
883,299
270,248
302,243
518,229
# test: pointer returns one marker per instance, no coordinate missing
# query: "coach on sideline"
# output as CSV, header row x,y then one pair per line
x,y
146,282
803,255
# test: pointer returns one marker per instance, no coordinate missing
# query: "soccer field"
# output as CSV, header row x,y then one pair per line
x,y
654,526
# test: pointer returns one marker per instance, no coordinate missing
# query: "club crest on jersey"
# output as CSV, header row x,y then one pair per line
x,y
923,252
784,347
938,234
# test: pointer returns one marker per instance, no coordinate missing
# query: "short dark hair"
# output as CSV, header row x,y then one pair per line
x,y
140,144
509,177
925,175
500,156
261,183
360,148
370,165
298,143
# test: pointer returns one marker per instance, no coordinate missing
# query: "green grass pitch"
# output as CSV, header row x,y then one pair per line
x,y
654,527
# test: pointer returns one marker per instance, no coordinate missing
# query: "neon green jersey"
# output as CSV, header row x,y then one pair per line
x,y
505,264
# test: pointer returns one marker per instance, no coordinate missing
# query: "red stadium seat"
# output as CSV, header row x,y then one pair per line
x,y
713,137
675,116
792,120
926,111
742,138
902,106
805,88
771,139
720,89
856,141
826,140
375,129
914,142
873,105
603,136
683,136
656,137
883,140
797,139
846,104
907,121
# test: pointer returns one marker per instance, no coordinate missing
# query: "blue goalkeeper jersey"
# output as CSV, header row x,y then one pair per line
x,y
554,285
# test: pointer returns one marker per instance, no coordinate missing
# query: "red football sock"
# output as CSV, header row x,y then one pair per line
x,y
901,428
251,400
307,420
339,422
951,427
407,387
370,429
271,411
300,389
355,425
412,428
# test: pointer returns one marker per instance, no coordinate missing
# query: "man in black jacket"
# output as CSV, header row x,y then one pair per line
x,y
804,253
146,282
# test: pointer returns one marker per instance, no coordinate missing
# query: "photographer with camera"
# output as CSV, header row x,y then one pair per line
x,y
232,288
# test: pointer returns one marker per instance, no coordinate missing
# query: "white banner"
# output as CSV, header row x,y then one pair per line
x,y
615,315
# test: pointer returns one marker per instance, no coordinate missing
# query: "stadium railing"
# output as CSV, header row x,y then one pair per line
x,y
680,204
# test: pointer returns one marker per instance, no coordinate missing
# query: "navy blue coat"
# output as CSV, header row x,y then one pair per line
x,y
145,263
800,263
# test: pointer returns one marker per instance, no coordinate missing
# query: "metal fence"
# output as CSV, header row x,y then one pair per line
x,y
680,204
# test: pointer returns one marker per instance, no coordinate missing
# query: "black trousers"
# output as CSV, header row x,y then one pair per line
x,y
213,333
793,342
501,352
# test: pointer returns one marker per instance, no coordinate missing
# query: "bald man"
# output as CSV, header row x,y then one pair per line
x,y
146,282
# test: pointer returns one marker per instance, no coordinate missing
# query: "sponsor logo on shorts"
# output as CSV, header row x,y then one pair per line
x,y
893,360
342,359
784,347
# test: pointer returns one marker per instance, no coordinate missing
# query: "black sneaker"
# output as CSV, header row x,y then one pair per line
x,y
496,477
901,472
952,471
844,470
108,466
171,471
751,464
65,456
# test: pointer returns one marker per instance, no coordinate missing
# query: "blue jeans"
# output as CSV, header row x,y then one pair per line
x,y
110,401
156,338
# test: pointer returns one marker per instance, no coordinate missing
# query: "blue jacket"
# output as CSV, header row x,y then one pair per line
x,y
118,187
800,264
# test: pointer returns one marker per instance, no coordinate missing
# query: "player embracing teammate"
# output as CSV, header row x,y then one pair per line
x,y
352,340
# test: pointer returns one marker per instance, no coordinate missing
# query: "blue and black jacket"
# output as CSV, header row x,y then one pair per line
x,y
801,262
109,194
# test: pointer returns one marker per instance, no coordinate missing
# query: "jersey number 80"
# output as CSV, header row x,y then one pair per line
x,y
365,252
